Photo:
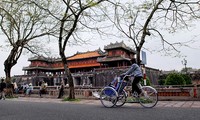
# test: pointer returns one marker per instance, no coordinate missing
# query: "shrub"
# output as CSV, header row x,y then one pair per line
x,y
161,82
187,79
175,79
147,81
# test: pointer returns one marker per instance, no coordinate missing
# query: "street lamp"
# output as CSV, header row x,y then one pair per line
x,y
184,62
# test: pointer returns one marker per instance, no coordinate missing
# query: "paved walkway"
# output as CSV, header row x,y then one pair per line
x,y
182,104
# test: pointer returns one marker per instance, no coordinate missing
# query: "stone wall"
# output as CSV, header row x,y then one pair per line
x,y
178,93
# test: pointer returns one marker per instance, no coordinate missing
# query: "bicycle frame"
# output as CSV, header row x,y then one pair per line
x,y
115,94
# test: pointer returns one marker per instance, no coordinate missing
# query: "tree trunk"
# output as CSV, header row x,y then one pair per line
x,y
71,83
7,69
8,66
138,61
10,62
69,76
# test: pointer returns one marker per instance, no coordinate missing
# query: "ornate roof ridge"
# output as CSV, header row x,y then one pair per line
x,y
118,45
42,58
97,50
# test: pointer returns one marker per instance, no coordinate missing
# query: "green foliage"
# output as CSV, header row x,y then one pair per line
x,y
11,96
91,3
187,79
175,79
71,100
147,5
161,82
147,81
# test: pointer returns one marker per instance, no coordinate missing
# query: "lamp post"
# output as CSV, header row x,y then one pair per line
x,y
184,62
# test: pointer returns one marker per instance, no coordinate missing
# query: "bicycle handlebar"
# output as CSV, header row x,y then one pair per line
x,y
126,76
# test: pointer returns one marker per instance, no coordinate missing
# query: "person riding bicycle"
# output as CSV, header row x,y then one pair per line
x,y
136,72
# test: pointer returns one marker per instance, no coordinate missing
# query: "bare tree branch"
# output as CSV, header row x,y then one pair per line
x,y
21,22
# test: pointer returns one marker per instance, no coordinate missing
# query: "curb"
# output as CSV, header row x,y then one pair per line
x,y
160,98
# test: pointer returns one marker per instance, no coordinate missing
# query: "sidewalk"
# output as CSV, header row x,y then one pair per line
x,y
175,104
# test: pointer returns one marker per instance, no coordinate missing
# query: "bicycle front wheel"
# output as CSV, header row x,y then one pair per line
x,y
108,97
149,97
121,99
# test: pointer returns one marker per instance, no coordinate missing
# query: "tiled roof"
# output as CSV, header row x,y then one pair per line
x,y
83,66
110,59
42,58
84,55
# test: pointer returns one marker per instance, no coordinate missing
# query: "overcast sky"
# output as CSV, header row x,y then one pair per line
x,y
154,59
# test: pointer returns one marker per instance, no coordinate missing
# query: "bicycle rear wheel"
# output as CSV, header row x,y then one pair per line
x,y
149,97
121,99
108,97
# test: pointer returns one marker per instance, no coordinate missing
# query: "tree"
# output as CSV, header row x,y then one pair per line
x,y
73,14
73,17
175,79
22,23
183,70
161,82
145,20
187,79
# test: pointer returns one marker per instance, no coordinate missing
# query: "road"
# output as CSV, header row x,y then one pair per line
x,y
27,110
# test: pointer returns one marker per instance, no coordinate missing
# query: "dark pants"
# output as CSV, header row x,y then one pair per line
x,y
42,91
61,93
135,85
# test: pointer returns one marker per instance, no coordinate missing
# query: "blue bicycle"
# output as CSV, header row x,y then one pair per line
x,y
115,95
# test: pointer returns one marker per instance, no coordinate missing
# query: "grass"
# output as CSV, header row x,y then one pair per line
x,y
11,97
71,100
131,99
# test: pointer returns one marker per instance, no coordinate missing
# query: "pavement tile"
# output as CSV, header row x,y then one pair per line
x,y
183,104
179,104
196,104
187,104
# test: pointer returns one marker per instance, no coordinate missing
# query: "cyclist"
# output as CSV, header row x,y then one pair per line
x,y
135,71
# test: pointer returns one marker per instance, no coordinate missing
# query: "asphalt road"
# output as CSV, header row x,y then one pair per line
x,y
23,110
